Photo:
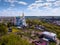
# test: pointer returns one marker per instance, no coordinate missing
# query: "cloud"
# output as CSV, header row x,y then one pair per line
x,y
12,5
44,4
10,12
51,0
39,5
49,12
57,3
23,3
36,12
11,2
44,8
39,1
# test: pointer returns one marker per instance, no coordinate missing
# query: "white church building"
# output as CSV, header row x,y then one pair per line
x,y
20,21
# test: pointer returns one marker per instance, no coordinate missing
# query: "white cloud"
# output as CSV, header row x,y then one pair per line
x,y
57,3
49,12
12,5
23,3
10,12
38,1
32,6
56,12
35,5
47,5
50,0
11,1
36,12
15,1
38,5
42,4
44,9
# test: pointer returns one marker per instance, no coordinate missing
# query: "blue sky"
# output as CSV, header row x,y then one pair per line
x,y
30,7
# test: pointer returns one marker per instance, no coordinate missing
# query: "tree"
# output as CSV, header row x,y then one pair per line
x,y
9,24
3,29
13,39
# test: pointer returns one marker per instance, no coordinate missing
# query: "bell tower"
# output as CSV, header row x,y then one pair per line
x,y
23,20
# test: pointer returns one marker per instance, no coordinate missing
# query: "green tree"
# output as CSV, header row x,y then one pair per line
x,y
9,24
3,29
13,39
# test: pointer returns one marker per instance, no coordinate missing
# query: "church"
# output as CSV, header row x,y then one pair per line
x,y
20,21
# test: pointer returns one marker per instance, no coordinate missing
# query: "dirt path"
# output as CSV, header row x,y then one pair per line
x,y
57,41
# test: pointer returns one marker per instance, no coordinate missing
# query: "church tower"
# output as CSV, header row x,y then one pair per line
x,y
23,20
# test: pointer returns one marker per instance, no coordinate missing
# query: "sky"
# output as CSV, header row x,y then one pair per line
x,y
30,7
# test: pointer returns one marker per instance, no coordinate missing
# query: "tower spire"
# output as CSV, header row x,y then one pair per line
x,y
23,19
23,14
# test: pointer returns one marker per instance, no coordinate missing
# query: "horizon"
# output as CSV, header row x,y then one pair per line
x,y
30,16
